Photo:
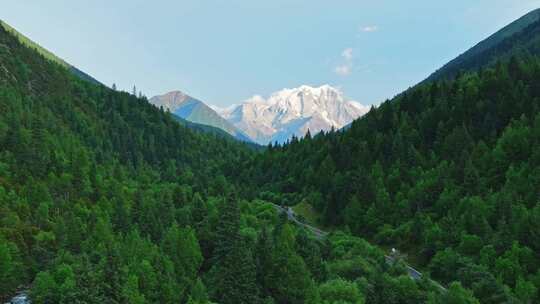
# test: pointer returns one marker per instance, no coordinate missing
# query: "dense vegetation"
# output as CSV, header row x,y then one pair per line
x,y
448,171
107,199
45,53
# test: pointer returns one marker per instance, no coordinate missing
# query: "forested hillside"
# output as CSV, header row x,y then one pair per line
x,y
106,199
516,39
74,158
448,171
45,53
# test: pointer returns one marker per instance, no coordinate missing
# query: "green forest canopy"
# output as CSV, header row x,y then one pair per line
x,y
105,198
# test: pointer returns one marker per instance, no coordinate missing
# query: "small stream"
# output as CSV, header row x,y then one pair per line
x,y
21,298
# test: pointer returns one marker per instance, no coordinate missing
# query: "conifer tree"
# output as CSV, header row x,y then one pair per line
x,y
236,278
182,247
289,280
234,274
227,236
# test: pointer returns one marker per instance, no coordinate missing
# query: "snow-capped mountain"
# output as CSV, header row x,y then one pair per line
x,y
293,112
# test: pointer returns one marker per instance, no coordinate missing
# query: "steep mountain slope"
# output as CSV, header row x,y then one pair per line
x,y
191,109
45,53
447,171
521,36
81,168
203,128
292,112
217,131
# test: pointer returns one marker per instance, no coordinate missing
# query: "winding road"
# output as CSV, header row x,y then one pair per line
x,y
319,234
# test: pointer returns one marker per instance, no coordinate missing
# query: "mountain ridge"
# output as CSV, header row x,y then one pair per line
x,y
196,111
48,54
292,112
494,46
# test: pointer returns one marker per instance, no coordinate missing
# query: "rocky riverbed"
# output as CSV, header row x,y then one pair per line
x,y
21,298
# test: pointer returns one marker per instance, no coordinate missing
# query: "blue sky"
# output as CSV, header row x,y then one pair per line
x,y
226,51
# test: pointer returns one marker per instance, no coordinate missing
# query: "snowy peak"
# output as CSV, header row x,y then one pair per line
x,y
293,112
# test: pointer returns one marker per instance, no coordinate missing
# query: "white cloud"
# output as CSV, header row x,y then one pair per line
x,y
347,54
369,28
345,68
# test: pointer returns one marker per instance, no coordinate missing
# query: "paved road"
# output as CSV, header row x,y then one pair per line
x,y
413,273
319,234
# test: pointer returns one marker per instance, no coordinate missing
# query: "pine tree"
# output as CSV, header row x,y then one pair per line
x,y
130,291
7,279
199,209
311,254
182,247
289,280
80,168
227,236
263,254
236,278
234,273
198,294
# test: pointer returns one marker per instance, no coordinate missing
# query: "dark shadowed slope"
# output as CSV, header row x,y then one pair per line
x,y
518,37
216,131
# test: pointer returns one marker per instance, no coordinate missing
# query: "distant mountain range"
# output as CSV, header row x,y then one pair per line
x,y
292,112
196,111
287,113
